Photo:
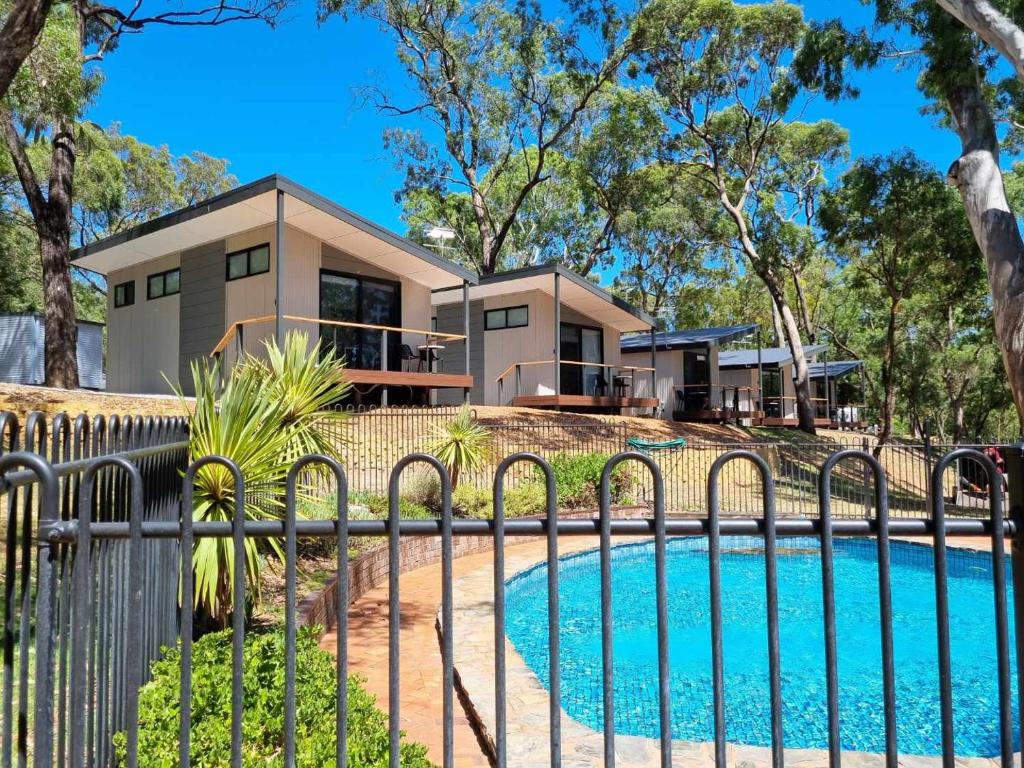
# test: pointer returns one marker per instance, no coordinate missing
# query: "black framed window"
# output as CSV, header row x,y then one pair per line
x,y
248,262
124,294
507,317
163,284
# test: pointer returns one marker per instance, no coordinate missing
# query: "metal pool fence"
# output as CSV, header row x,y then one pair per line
x,y
373,440
99,543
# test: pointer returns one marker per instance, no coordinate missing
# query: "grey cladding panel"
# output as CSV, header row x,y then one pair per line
x,y
201,322
449,320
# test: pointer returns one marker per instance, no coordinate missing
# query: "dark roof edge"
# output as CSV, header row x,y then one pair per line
x,y
568,274
286,185
662,343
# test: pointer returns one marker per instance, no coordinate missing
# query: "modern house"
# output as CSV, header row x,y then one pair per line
x,y
687,380
835,394
250,264
22,351
544,337
763,381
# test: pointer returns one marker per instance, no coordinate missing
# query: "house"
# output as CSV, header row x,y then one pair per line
x,y
835,395
211,279
687,376
22,351
544,337
763,380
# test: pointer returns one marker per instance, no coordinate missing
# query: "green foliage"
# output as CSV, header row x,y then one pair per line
x,y
263,718
509,86
528,499
462,445
578,479
468,501
407,508
265,416
423,488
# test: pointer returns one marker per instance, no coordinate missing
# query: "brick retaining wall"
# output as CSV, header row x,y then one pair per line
x,y
370,569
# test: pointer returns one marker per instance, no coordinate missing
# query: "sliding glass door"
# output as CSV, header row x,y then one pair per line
x,y
582,344
355,299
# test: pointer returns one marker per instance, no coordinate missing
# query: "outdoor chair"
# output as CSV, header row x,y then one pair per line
x,y
408,356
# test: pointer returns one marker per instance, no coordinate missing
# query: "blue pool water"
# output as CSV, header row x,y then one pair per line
x,y
745,632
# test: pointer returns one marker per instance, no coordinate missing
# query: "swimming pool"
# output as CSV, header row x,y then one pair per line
x,y
975,692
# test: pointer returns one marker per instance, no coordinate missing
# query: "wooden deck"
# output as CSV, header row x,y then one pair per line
x,y
416,379
571,402
714,415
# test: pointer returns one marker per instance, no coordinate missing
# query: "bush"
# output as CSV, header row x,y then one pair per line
x,y
378,506
263,722
468,501
424,488
578,479
526,500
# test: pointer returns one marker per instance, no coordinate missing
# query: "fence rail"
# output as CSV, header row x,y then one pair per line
x,y
100,537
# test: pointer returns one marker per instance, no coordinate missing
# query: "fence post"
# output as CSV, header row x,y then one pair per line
x,y
927,466
1015,484
868,480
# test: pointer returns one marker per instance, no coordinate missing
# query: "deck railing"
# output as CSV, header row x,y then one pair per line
x,y
103,544
609,387
236,332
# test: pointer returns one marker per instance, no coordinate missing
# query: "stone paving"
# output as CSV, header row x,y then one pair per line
x,y
527,699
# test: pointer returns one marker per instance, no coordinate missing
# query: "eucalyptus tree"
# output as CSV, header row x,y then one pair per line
x,y
39,125
503,85
912,264
963,49
722,69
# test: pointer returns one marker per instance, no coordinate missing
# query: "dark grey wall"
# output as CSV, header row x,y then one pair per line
x,y
449,320
201,323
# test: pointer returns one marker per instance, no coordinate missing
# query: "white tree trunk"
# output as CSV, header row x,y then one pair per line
x,y
977,176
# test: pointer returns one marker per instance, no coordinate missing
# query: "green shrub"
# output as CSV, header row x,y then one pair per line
x,y
468,501
526,500
578,479
408,509
424,488
263,721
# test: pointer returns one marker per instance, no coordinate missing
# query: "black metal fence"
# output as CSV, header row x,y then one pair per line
x,y
373,440
99,537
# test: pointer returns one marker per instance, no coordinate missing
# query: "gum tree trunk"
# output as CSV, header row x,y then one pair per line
x,y
977,176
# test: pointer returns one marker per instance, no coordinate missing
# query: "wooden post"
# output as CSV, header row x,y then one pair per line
x,y
279,266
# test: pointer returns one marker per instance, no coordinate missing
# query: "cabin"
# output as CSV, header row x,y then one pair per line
x,y
763,381
223,276
545,337
838,395
23,356
687,380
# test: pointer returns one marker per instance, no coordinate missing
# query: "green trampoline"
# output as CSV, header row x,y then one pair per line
x,y
648,446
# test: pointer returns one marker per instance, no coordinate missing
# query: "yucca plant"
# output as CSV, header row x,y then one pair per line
x,y
462,445
266,415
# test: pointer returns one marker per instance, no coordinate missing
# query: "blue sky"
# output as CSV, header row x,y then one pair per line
x,y
286,101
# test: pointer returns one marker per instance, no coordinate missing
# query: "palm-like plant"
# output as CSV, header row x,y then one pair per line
x,y
462,445
267,415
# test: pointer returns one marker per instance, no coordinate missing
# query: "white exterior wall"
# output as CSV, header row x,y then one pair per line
x,y
536,341
142,339
669,370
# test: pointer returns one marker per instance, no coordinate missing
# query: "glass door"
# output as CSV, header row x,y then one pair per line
x,y
353,299
583,345
696,381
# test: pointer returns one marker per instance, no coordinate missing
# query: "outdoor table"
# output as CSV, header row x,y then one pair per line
x,y
622,382
429,351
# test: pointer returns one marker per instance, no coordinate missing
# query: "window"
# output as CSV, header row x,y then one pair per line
x,y
163,284
124,294
508,317
251,261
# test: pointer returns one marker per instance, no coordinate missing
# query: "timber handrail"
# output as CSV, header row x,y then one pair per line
x,y
512,367
233,329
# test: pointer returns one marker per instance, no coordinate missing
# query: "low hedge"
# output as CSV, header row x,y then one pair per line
x,y
263,721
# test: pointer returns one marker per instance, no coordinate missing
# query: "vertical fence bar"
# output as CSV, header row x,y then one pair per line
x,y
829,609
9,427
1015,483
715,589
942,610
607,660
